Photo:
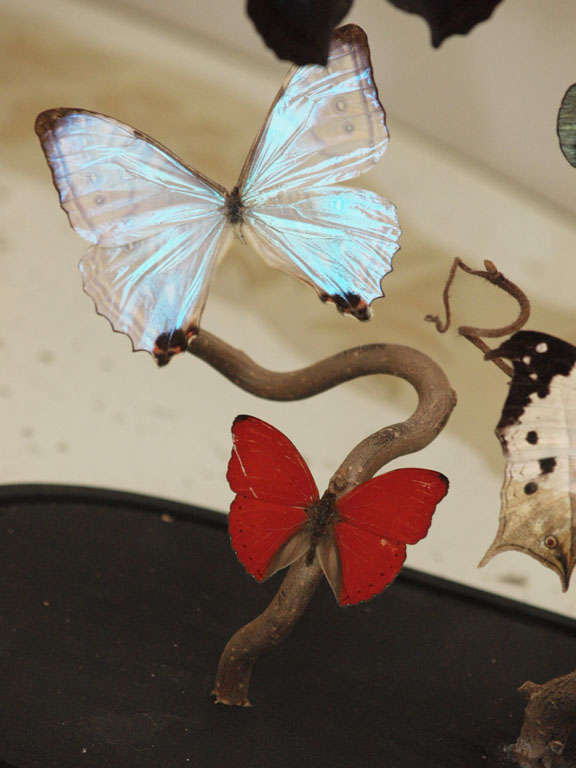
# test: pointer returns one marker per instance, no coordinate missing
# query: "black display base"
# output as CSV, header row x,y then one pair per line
x,y
112,623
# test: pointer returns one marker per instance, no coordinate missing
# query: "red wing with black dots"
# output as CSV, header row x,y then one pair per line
x,y
376,521
273,487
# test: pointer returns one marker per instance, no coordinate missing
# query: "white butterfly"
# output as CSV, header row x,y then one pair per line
x,y
159,228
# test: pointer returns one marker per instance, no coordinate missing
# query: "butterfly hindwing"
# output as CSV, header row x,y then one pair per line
x,y
273,487
157,228
537,431
155,286
338,240
376,522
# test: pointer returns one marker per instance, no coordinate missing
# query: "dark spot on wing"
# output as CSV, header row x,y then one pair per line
x,y
530,488
537,358
169,344
547,465
532,437
349,304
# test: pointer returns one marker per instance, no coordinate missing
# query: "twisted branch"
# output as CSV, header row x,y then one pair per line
x,y
472,333
548,722
436,400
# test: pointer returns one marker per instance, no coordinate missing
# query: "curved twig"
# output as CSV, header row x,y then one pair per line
x,y
436,400
472,333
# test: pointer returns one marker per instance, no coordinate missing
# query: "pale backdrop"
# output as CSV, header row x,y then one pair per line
x,y
77,406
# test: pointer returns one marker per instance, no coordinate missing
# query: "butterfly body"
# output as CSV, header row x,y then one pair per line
x,y
234,207
537,431
359,539
321,516
158,228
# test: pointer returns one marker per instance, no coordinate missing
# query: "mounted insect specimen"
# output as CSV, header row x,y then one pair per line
x,y
300,31
535,431
158,228
538,496
276,491
359,539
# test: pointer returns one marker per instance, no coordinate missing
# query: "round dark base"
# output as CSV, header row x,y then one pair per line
x,y
113,620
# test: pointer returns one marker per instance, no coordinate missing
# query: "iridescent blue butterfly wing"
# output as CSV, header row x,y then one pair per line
x,y
157,227
326,125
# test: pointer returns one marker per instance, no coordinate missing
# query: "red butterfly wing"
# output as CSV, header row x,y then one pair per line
x,y
376,520
273,486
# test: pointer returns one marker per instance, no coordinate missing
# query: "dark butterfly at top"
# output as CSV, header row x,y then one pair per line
x,y
359,539
449,17
299,30
537,431
158,228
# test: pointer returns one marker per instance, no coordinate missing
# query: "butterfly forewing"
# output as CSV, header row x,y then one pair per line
x,y
376,521
326,124
274,487
158,227
266,465
397,505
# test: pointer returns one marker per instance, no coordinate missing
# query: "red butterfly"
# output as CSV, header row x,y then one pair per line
x,y
360,539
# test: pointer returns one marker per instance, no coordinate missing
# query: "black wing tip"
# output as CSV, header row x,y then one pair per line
x,y
46,120
350,33
444,479
240,418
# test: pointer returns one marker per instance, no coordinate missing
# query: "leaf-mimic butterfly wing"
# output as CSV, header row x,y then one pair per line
x,y
157,228
273,487
375,522
537,431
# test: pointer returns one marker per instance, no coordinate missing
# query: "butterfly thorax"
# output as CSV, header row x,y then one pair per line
x,y
321,516
234,207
